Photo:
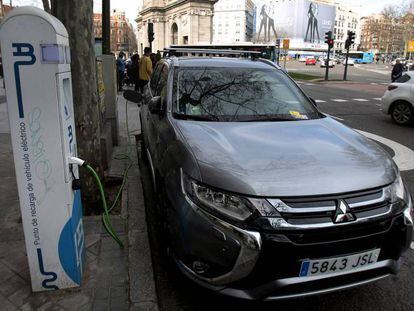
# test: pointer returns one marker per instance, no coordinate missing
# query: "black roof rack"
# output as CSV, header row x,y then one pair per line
x,y
210,52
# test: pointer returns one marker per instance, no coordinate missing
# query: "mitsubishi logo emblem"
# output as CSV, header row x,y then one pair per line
x,y
343,213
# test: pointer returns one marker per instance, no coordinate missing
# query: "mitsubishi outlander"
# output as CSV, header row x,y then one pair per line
x,y
263,196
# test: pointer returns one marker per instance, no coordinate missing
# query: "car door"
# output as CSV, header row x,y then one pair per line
x,y
154,119
147,116
160,124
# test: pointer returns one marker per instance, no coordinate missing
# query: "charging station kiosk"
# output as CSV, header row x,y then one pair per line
x,y
36,62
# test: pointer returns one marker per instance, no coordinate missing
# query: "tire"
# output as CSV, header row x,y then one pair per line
x,y
402,113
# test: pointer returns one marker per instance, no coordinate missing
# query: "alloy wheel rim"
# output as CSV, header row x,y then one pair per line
x,y
402,113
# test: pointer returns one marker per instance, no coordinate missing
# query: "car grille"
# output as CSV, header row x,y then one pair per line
x,y
321,210
281,258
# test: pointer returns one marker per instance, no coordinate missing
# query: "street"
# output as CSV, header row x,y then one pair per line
x,y
355,104
371,73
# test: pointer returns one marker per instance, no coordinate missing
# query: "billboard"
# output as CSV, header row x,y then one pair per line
x,y
302,21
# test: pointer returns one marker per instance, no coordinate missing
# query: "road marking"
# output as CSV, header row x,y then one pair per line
x,y
361,99
379,105
404,156
309,84
377,98
385,83
320,101
339,100
374,83
337,118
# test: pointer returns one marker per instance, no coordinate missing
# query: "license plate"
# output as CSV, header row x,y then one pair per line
x,y
339,264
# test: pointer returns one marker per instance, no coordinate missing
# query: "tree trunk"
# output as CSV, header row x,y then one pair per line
x,y
77,16
46,5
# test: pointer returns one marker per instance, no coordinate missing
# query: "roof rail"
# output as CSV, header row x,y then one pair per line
x,y
175,51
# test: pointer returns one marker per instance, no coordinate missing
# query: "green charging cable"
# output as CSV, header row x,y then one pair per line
x,y
105,216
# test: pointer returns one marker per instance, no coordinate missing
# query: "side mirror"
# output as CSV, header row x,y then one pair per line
x,y
133,96
313,101
154,105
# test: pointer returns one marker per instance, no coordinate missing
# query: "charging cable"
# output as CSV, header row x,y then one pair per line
x,y
105,216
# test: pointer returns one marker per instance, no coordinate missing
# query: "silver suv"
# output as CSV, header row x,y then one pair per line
x,y
263,196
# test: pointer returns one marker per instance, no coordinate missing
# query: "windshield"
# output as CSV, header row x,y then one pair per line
x,y
238,94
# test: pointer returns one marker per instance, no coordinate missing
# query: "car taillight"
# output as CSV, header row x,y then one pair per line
x,y
392,87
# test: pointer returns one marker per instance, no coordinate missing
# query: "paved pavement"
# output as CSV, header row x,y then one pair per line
x,y
114,278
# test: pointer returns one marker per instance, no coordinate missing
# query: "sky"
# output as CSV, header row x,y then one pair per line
x,y
129,6
364,7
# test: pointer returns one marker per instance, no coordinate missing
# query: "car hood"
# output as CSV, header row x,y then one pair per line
x,y
288,158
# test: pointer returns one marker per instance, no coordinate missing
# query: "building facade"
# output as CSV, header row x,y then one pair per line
x,y
381,34
4,9
123,37
346,20
175,22
233,21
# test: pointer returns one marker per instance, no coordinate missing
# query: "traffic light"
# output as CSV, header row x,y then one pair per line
x,y
150,32
328,36
329,40
350,40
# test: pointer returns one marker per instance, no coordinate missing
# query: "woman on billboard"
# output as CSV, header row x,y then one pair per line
x,y
312,23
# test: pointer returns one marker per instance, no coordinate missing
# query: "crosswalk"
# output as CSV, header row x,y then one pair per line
x,y
305,83
313,84
343,100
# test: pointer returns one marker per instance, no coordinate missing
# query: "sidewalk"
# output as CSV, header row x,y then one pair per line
x,y
114,278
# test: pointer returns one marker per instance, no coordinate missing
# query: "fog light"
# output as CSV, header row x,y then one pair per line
x,y
200,267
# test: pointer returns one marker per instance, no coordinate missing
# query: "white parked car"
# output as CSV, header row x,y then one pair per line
x,y
351,62
402,60
398,100
331,63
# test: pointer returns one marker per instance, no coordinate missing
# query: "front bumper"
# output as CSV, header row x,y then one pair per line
x,y
265,265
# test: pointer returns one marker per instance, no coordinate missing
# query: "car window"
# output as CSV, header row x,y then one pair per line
x,y
238,94
404,78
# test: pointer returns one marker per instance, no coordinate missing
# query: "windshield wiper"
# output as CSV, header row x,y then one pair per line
x,y
259,119
193,117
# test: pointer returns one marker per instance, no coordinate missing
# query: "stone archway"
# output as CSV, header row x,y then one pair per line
x,y
174,34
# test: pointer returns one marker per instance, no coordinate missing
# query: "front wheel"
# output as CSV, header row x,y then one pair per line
x,y
402,113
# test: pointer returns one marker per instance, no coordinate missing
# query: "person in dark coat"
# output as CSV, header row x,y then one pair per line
x,y
397,70
133,71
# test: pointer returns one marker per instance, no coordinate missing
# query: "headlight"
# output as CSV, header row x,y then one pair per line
x,y
397,192
229,205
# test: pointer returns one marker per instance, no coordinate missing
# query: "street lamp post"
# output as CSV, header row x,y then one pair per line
x,y
106,27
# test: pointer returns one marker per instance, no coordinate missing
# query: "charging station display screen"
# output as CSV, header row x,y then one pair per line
x,y
53,53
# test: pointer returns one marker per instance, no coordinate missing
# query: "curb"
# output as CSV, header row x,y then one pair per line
x,y
142,290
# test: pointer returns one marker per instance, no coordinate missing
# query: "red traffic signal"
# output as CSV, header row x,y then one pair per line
x,y
330,43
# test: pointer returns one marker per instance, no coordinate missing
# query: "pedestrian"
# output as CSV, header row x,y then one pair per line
x,y
145,69
397,71
133,71
120,66
153,58
383,60
158,56
377,59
